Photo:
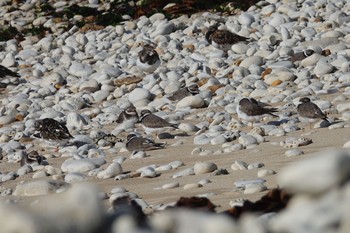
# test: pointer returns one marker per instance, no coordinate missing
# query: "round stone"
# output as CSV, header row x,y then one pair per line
x,y
204,167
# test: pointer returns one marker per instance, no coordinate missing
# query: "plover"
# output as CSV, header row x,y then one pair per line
x,y
184,92
53,131
7,72
33,158
248,109
128,114
310,112
153,123
301,55
222,39
148,59
136,143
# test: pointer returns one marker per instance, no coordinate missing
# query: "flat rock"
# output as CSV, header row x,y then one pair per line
x,y
318,174
38,187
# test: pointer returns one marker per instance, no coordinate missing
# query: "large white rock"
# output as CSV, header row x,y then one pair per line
x,y
38,187
80,208
194,101
204,167
317,174
139,94
111,171
81,165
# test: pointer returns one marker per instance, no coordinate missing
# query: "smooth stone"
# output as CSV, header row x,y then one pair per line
x,y
267,10
233,148
89,86
277,132
204,167
185,172
27,54
100,95
163,28
265,172
239,165
254,188
163,168
318,174
255,166
239,48
139,94
323,68
24,170
218,140
38,187
253,60
75,121
118,189
342,107
346,116
346,145
247,140
176,164
201,139
283,75
198,57
171,185
81,165
8,176
148,173
112,170
188,127
190,102
68,208
80,69
39,174
192,186
246,19
293,152
74,177
244,183
276,20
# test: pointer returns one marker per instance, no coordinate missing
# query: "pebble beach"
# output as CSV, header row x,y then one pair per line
x,y
86,76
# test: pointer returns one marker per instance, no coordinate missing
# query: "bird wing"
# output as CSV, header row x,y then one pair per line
x,y
5,71
154,121
227,37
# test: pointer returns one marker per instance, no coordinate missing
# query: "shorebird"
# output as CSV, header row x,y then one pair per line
x,y
135,143
184,92
52,131
222,39
301,55
33,158
310,112
248,109
128,114
7,72
148,59
153,123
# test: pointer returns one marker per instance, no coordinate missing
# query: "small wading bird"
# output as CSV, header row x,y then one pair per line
x,y
135,143
248,109
33,158
222,39
153,123
53,131
129,114
148,59
184,92
310,112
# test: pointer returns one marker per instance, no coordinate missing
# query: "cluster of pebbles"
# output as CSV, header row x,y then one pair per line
x,y
86,79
